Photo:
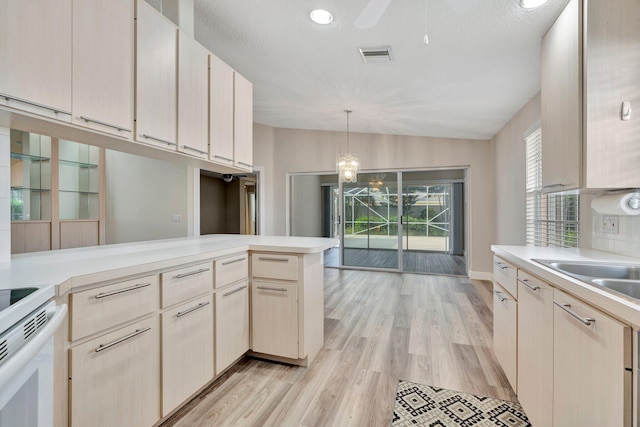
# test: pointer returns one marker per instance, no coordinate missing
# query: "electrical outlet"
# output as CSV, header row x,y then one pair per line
x,y
610,224
176,218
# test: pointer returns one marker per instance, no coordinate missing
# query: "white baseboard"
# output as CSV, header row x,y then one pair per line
x,y
480,275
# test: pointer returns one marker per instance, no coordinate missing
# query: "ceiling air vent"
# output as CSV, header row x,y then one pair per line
x,y
375,54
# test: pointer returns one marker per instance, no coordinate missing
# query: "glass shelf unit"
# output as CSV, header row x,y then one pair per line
x,y
79,173
30,176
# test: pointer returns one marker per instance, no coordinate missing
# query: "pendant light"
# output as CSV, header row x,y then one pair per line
x,y
348,164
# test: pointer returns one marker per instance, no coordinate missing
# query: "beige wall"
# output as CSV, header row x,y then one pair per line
x,y
315,151
142,195
306,206
508,153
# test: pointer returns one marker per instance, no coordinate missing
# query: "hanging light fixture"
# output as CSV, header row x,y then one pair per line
x,y
348,164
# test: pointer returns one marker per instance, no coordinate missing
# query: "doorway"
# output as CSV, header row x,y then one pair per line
x,y
229,203
409,221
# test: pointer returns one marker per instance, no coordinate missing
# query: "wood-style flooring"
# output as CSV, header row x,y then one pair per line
x,y
379,328
414,261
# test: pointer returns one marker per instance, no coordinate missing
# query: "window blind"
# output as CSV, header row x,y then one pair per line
x,y
552,219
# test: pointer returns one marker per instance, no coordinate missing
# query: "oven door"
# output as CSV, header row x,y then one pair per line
x,y
26,380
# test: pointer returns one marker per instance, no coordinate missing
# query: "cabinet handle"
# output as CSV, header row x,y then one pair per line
x,y
266,288
234,291
550,186
119,291
119,340
35,104
234,261
189,310
119,128
499,295
567,307
245,164
526,283
195,149
144,135
501,266
223,158
191,273
274,259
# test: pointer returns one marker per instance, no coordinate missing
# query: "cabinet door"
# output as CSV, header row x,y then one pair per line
x,y
274,324
232,324
590,387
187,351
221,111
561,95
612,76
193,97
103,65
156,78
35,55
243,122
535,348
505,317
115,379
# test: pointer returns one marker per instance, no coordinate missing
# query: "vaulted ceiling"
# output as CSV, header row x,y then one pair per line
x,y
481,65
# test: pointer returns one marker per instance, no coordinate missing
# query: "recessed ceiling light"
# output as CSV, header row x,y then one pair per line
x,y
530,4
322,17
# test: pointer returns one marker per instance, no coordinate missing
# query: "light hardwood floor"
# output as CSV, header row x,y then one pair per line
x,y
379,328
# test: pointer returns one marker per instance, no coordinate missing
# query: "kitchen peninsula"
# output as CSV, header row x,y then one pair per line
x,y
152,323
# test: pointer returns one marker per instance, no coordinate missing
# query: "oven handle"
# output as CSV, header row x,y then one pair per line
x,y
12,366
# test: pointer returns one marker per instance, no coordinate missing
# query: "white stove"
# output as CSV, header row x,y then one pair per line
x,y
28,321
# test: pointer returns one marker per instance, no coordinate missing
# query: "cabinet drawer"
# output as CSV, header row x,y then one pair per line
x,y
101,308
274,266
188,282
230,270
505,274
115,378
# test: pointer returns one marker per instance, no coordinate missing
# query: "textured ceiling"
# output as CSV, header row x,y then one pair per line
x,y
482,63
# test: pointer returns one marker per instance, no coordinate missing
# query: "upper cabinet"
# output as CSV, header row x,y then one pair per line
x,y
243,123
612,79
193,97
589,82
156,78
103,37
231,116
35,56
221,111
561,100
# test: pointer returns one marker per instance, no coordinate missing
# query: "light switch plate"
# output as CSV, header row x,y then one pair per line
x,y
176,218
610,224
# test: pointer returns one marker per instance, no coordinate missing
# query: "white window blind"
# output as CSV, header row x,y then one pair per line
x,y
552,219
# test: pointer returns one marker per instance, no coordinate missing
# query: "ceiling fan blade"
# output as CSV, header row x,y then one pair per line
x,y
371,14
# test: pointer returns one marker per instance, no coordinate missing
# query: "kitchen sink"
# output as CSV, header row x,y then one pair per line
x,y
620,278
586,269
628,287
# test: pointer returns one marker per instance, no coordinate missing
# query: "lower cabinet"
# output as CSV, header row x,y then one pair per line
x,y
591,383
115,378
187,351
535,348
505,318
231,324
275,318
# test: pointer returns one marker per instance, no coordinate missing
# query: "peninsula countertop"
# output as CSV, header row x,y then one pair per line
x,y
624,308
70,268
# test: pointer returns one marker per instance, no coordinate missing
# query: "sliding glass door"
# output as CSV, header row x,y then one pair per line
x,y
371,211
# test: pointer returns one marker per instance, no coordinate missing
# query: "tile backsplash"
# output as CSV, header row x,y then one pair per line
x,y
625,242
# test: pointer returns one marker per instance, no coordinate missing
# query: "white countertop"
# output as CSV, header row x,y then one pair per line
x,y
624,308
69,268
